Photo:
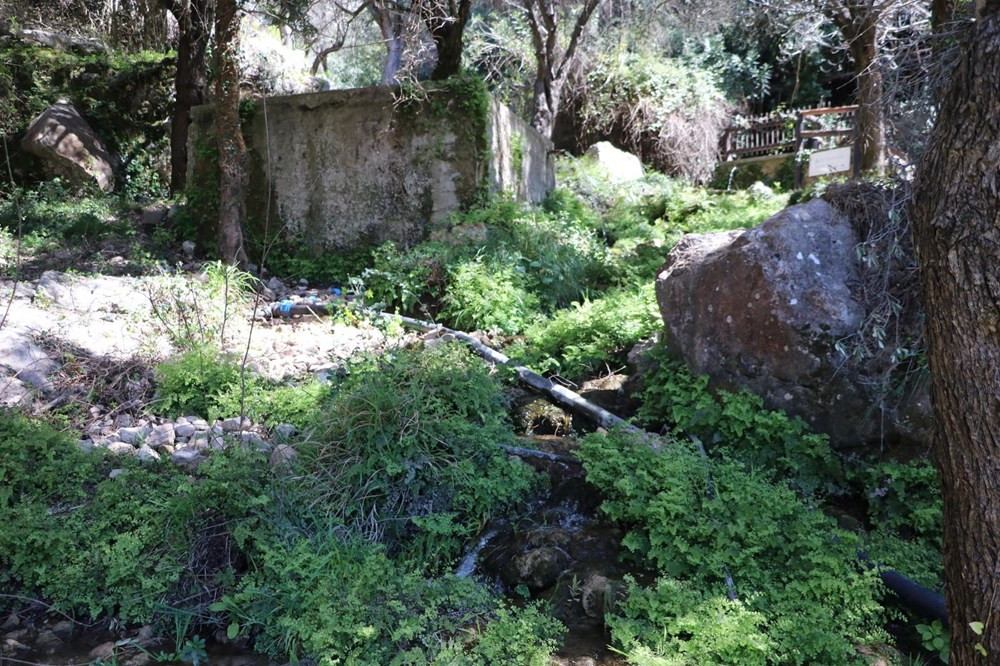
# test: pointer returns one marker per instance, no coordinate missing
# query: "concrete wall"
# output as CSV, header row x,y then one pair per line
x,y
345,169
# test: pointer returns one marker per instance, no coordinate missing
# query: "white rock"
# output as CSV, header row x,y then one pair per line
x,y
121,449
187,457
284,430
185,430
146,454
134,434
161,435
619,165
234,424
283,454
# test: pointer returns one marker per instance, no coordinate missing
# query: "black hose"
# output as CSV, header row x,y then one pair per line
x,y
911,594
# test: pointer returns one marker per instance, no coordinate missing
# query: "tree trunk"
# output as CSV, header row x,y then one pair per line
x,y
545,105
956,226
194,18
390,24
233,158
871,128
447,28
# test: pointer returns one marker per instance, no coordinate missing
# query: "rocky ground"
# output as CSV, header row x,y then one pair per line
x,y
93,342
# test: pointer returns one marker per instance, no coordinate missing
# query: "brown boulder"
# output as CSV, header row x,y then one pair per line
x,y
763,310
69,148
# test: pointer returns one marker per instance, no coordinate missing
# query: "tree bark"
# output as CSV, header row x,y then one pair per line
x,y
956,227
233,158
446,23
390,24
194,20
858,23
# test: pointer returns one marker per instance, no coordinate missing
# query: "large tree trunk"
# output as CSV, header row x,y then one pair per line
x,y
956,226
545,105
446,23
194,20
871,128
233,158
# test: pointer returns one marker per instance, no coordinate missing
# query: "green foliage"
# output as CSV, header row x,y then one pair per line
x,y
408,445
583,340
934,638
904,497
124,96
348,602
100,546
789,562
195,382
674,624
483,296
289,259
203,382
736,425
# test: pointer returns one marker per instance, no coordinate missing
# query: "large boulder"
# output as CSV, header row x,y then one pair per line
x,y
68,147
620,166
763,310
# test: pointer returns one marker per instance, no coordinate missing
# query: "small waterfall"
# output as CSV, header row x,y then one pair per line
x,y
468,564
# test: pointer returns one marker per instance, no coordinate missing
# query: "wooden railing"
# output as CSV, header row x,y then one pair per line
x,y
786,133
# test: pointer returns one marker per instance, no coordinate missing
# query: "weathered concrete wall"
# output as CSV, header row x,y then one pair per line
x,y
345,169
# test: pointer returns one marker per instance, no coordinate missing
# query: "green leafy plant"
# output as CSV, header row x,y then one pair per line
x,y
934,638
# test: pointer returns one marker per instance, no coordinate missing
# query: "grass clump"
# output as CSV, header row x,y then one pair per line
x,y
790,564
407,453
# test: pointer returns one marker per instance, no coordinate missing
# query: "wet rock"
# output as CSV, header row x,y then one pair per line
x,y
13,648
537,568
47,641
595,595
63,629
11,622
537,416
607,392
103,651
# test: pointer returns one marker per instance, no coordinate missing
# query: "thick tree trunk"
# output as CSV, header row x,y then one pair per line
x,y
194,20
956,225
233,158
545,105
447,29
871,127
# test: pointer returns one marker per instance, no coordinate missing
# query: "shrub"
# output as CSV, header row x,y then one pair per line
x,y
736,425
195,383
488,297
583,340
790,563
408,446
100,547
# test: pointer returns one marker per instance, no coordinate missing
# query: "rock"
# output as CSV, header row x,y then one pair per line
x,y
147,454
60,41
187,457
595,595
27,361
121,449
235,424
161,435
85,445
47,641
188,248
217,443
124,421
102,651
12,647
63,629
133,435
185,430
277,286
11,622
284,431
68,147
607,392
248,437
115,473
537,568
619,165
282,455
154,216
763,309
